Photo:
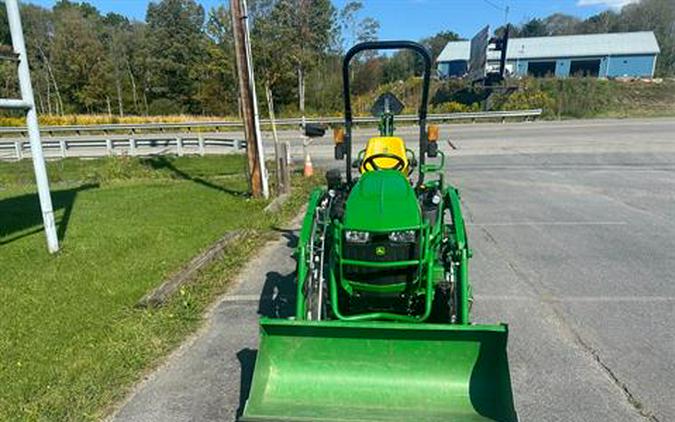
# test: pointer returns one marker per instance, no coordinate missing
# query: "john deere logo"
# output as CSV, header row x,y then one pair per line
x,y
380,251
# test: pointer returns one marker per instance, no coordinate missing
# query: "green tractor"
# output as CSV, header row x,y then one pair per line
x,y
382,329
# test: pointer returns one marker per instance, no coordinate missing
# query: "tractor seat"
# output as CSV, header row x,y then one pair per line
x,y
385,153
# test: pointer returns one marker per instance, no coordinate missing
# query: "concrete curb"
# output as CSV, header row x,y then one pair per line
x,y
158,296
277,203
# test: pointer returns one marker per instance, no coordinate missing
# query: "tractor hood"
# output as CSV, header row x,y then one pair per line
x,y
381,201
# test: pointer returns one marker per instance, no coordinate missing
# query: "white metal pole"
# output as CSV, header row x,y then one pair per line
x,y
256,113
26,86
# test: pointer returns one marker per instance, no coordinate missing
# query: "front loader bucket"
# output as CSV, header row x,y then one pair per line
x,y
380,371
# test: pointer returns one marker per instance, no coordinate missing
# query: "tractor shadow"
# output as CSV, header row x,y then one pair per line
x,y
22,217
277,300
291,237
279,293
247,358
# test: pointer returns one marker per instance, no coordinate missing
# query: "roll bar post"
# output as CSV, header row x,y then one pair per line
x,y
387,45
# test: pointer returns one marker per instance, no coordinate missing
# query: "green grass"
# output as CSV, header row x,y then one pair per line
x,y
579,98
71,340
111,169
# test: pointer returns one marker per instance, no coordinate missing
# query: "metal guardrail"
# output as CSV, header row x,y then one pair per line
x,y
175,138
473,116
102,145
218,125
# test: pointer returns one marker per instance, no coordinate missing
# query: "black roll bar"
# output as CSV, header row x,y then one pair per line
x,y
387,45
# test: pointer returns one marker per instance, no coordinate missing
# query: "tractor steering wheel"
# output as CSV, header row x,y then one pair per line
x,y
370,161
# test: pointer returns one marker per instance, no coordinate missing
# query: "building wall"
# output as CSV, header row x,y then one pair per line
x,y
603,66
443,70
638,66
610,66
453,69
562,68
521,67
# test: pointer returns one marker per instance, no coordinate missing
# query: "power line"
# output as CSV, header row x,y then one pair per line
x,y
495,5
506,9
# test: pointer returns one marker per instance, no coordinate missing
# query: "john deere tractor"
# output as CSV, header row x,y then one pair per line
x,y
382,329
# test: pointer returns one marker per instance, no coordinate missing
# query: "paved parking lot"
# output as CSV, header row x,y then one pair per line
x,y
573,229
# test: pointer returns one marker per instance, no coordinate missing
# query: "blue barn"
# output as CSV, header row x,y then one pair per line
x,y
630,54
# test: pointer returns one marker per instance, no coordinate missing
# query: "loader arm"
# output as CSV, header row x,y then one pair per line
x,y
301,251
461,254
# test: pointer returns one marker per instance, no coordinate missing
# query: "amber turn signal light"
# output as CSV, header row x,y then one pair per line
x,y
432,133
338,135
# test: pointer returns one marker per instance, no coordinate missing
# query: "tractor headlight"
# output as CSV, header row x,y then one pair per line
x,y
407,236
352,236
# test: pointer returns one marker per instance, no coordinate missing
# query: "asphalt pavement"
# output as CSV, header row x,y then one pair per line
x,y
573,231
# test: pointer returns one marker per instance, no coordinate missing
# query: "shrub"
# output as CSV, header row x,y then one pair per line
x,y
455,107
527,99
578,97
123,167
164,106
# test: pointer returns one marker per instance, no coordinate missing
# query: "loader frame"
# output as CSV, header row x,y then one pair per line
x,y
369,364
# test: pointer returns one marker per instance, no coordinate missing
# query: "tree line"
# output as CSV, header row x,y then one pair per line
x,y
180,59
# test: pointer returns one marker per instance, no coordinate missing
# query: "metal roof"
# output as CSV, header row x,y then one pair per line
x,y
455,50
616,44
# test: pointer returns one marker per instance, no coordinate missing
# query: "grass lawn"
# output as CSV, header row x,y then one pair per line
x,y
71,340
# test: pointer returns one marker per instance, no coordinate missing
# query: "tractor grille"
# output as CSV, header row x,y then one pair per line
x,y
369,252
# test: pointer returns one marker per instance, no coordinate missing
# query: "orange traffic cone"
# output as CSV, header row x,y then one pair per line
x,y
309,169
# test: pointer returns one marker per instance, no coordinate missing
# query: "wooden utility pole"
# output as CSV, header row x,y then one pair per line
x,y
256,164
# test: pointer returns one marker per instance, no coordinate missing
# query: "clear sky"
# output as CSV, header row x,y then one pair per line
x,y
414,19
